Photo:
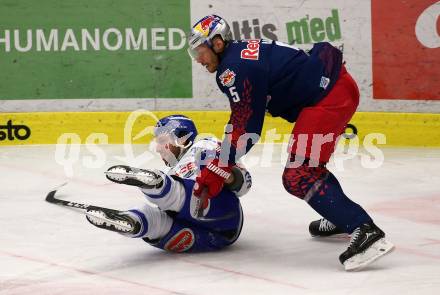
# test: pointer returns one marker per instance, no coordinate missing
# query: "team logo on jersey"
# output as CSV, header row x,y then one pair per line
x,y
227,78
252,50
181,242
324,82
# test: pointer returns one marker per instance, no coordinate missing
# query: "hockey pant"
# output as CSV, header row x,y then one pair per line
x,y
174,227
315,135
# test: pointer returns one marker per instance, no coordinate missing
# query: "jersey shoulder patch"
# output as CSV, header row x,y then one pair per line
x,y
207,143
227,78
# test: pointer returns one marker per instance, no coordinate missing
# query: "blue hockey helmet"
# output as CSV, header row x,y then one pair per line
x,y
179,127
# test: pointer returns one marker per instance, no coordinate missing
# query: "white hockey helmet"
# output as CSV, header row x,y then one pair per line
x,y
205,30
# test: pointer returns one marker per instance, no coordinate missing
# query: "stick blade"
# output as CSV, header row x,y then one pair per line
x,y
50,197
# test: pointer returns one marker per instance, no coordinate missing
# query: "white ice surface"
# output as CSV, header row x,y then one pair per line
x,y
46,249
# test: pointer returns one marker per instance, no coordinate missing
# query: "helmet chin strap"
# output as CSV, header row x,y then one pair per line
x,y
184,138
182,147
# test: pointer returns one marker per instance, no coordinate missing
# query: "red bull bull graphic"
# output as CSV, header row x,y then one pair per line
x,y
227,78
206,24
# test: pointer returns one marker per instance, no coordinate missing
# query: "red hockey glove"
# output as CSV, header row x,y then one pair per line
x,y
212,177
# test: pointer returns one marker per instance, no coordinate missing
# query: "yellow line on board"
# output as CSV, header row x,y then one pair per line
x,y
400,129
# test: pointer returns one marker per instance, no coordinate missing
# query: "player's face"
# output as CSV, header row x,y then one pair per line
x,y
206,57
166,149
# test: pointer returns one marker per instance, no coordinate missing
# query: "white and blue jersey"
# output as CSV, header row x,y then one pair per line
x,y
188,166
222,217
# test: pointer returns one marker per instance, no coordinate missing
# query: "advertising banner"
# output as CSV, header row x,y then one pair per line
x,y
52,49
406,49
108,55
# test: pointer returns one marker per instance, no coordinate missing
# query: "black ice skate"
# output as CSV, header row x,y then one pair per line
x,y
366,245
113,220
134,176
324,228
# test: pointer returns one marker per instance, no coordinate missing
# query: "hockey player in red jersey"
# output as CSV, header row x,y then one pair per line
x,y
179,223
312,89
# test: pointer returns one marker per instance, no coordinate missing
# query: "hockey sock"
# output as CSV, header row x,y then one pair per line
x,y
155,223
170,196
329,200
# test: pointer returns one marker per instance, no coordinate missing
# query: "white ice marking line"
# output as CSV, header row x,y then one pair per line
x,y
88,272
242,274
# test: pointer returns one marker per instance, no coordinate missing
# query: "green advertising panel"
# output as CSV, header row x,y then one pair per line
x,y
94,49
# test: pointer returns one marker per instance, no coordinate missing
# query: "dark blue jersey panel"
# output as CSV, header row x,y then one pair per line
x,y
264,75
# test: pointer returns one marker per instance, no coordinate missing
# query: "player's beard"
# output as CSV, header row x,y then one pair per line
x,y
169,158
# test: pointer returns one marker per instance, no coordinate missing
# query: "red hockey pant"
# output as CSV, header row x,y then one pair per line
x,y
318,127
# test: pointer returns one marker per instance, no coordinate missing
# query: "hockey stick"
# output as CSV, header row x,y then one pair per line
x,y
83,208
224,217
53,200
86,209
202,199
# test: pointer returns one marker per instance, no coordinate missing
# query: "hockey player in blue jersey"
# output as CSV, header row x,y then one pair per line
x,y
312,89
180,222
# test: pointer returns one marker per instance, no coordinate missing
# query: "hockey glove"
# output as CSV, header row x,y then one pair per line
x,y
211,179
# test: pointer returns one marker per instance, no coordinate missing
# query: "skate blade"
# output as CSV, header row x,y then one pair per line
x,y
99,218
145,177
119,176
342,236
374,252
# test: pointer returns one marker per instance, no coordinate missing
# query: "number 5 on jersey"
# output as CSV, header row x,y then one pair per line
x,y
234,94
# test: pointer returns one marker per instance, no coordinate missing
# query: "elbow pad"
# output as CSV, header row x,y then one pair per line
x,y
242,181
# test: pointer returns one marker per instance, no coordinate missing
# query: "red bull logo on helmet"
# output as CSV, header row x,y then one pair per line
x,y
206,24
227,78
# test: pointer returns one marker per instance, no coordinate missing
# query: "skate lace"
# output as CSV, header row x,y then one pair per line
x,y
354,237
326,225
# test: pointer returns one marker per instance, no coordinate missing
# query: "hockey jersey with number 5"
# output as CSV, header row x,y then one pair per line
x,y
265,75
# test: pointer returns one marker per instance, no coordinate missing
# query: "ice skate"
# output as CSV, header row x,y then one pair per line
x,y
366,245
113,220
134,176
324,228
